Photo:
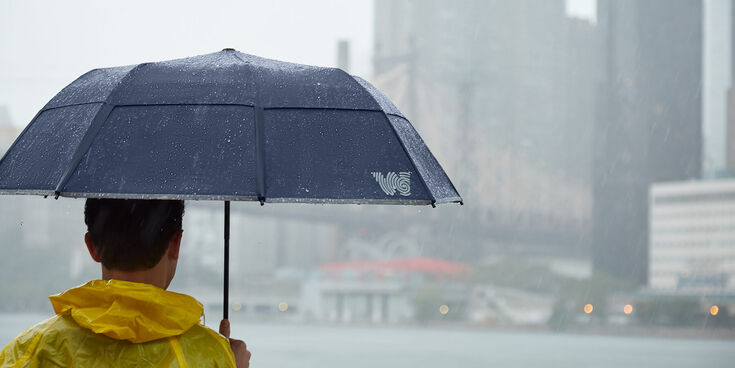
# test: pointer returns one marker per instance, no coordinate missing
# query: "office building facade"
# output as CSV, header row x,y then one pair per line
x,y
692,237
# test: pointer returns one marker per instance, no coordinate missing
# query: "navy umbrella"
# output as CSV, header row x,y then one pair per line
x,y
224,126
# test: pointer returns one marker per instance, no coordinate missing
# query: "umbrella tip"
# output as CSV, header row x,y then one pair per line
x,y
228,49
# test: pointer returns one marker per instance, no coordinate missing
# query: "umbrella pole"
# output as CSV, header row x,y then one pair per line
x,y
226,303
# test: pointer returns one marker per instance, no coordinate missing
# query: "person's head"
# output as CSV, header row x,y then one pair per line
x,y
134,235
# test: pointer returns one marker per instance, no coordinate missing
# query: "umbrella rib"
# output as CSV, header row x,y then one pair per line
x,y
259,136
260,152
398,137
410,158
89,135
94,128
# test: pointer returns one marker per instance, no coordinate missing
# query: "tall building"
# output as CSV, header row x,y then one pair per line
x,y
502,91
717,79
731,129
648,127
731,98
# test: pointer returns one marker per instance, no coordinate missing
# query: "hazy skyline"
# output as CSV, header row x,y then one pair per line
x,y
45,45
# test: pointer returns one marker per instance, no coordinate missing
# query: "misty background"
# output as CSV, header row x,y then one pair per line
x,y
592,141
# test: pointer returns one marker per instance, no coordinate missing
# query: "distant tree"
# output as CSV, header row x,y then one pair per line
x,y
560,316
679,311
521,274
575,294
426,303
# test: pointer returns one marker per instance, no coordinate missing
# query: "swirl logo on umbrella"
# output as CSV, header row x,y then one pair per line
x,y
392,182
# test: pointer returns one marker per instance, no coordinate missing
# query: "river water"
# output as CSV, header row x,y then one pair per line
x,y
308,346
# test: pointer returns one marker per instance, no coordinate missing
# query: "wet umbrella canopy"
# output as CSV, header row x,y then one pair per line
x,y
224,126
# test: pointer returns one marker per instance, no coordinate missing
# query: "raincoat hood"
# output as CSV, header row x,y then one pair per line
x,y
129,311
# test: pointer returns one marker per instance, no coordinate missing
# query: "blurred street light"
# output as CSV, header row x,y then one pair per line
x,y
588,308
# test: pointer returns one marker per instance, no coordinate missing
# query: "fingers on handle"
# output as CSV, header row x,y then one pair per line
x,y
238,344
224,328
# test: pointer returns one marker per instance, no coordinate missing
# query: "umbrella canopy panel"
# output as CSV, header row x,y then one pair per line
x,y
37,159
171,149
335,154
226,126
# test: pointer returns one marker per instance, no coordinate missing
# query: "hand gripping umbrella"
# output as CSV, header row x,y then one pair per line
x,y
224,126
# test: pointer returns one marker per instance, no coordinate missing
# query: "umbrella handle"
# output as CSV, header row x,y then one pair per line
x,y
226,302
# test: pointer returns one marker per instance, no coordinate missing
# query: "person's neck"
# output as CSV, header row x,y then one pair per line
x,y
156,276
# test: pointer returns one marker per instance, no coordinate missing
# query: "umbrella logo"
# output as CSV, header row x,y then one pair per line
x,y
392,182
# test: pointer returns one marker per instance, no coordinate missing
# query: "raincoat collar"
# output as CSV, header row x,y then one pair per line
x,y
130,311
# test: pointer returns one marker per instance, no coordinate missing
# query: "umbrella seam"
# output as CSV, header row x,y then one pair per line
x,y
222,104
124,78
72,105
128,105
62,90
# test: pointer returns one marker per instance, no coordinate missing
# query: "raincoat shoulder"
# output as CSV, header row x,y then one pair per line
x,y
105,324
60,342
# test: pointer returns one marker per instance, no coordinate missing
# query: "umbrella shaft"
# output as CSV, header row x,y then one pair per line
x,y
226,302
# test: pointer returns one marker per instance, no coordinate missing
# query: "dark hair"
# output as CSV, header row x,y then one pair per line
x,y
132,234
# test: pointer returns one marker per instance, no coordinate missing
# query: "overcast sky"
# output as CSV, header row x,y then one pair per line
x,y
44,45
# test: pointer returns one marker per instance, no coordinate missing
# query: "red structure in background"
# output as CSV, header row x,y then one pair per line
x,y
434,267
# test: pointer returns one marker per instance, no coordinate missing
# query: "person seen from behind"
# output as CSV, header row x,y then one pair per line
x,y
128,318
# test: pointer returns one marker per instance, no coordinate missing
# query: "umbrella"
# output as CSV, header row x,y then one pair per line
x,y
224,126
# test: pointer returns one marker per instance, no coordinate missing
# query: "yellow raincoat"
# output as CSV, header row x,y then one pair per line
x,y
120,324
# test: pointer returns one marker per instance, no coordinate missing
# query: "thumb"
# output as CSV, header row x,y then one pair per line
x,y
224,328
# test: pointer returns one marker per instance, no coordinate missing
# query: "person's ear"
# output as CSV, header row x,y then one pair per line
x,y
175,244
90,247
